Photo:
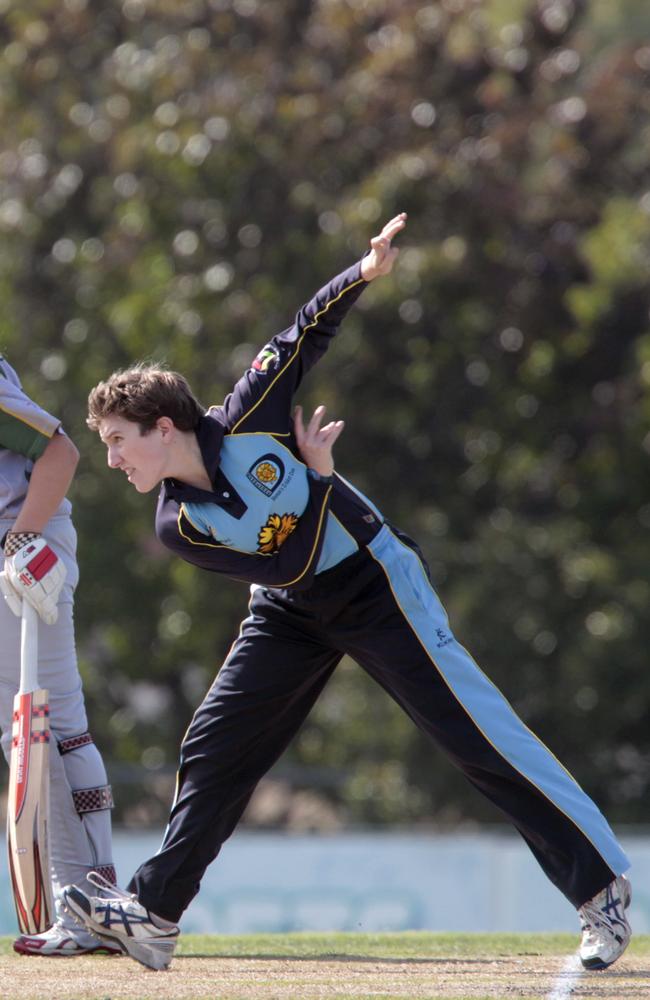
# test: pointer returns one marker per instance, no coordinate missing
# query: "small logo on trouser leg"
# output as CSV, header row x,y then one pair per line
x,y
443,638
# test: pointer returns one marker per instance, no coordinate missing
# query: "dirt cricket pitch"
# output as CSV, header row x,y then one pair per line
x,y
294,967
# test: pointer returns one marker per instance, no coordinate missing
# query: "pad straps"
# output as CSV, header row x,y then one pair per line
x,y
87,800
74,743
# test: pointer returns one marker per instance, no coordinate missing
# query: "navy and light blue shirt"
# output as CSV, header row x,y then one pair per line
x,y
268,519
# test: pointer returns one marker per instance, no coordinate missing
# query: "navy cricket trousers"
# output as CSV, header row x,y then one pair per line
x,y
378,606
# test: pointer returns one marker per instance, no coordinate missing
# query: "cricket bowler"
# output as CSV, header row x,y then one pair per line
x,y
249,491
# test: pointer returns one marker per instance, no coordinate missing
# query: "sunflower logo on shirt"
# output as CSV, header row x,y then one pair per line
x,y
275,532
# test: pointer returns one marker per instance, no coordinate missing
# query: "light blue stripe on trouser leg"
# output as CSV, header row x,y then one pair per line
x,y
483,702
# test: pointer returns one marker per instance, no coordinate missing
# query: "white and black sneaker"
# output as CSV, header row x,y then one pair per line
x,y
606,931
63,941
117,918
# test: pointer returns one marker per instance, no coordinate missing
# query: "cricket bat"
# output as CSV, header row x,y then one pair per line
x,y
29,789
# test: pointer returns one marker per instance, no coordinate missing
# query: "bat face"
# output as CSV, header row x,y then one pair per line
x,y
28,810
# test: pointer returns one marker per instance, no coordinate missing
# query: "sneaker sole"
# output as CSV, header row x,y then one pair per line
x,y
153,958
597,964
100,949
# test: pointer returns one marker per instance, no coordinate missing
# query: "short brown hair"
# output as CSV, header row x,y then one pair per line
x,y
142,394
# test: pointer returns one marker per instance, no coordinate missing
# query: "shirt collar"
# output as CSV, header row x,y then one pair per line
x,y
209,435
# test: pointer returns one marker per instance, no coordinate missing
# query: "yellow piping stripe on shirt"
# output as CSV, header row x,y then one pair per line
x,y
212,544
280,444
315,545
298,346
274,434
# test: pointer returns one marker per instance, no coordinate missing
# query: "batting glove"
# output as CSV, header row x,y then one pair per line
x,y
32,572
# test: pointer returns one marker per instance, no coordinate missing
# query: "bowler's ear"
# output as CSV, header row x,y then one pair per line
x,y
166,426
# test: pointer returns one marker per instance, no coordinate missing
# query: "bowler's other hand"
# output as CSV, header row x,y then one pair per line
x,y
382,255
315,443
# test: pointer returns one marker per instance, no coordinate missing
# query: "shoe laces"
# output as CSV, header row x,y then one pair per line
x,y
108,889
594,915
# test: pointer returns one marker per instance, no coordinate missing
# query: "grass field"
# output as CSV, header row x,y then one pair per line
x,y
415,965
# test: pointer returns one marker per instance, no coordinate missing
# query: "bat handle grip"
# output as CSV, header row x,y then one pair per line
x,y
28,649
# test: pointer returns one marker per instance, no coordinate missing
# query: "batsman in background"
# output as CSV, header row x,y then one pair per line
x,y
250,492
37,463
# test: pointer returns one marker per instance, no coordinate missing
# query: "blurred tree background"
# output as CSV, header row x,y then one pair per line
x,y
177,178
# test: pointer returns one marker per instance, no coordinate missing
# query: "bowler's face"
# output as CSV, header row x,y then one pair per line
x,y
140,456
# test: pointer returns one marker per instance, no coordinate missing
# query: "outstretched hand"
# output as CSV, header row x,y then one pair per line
x,y
315,443
382,255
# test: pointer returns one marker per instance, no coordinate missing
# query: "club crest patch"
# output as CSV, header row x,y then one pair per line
x,y
266,474
275,532
267,358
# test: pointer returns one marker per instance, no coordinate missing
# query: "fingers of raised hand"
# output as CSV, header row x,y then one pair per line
x,y
326,435
331,431
305,434
313,433
393,227
313,427
309,433
382,252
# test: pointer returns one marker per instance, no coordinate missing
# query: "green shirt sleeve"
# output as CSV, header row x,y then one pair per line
x,y
25,428
17,436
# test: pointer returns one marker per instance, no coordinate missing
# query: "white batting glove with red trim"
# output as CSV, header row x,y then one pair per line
x,y
36,574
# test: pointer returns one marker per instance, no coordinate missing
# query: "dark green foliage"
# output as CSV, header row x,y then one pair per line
x,y
175,179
